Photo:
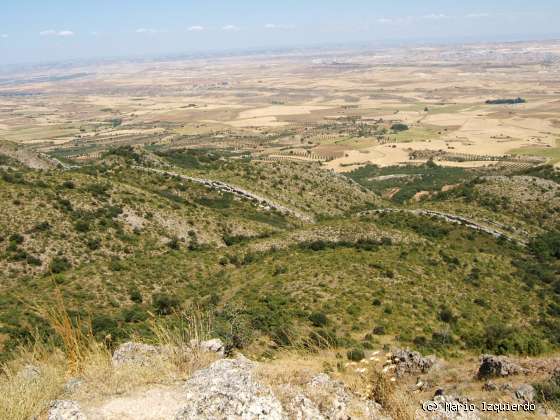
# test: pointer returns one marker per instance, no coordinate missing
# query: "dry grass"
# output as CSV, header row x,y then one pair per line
x,y
290,374
26,395
76,344
390,397
180,336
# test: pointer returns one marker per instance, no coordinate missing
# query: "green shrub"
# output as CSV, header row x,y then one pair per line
x,y
355,355
446,315
546,246
81,226
164,304
379,330
134,314
136,296
174,244
93,244
420,341
41,227
32,260
59,264
103,324
318,319
116,265
399,127
367,345
279,269
548,391
16,238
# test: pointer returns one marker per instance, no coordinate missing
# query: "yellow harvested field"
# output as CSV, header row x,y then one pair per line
x,y
278,110
340,112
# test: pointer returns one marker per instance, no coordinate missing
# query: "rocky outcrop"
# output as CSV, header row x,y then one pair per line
x,y
339,397
143,354
450,218
323,398
214,345
409,362
301,408
65,410
338,403
135,353
497,366
525,392
228,390
263,202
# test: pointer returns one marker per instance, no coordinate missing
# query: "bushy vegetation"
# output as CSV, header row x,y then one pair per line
x,y
544,171
124,246
549,391
515,101
409,180
196,158
397,127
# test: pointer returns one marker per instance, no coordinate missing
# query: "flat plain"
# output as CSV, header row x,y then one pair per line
x,y
336,107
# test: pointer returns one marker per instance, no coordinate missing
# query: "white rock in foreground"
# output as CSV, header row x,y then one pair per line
x,y
227,390
65,410
214,345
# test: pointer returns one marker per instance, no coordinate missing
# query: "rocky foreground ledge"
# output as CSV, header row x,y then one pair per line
x,y
227,389
236,389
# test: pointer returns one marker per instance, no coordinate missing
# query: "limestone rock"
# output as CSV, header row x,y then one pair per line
x,y
338,403
525,392
134,353
490,386
226,390
214,345
411,362
302,408
336,392
65,410
497,366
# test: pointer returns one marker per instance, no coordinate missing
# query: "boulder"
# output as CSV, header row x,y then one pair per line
x,y
335,390
409,362
490,386
214,345
525,392
227,390
302,408
134,353
497,366
323,398
65,410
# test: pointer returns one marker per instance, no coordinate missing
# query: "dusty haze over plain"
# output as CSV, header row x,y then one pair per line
x,y
32,30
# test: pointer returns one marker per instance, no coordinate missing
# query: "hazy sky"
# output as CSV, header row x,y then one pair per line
x,y
50,30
